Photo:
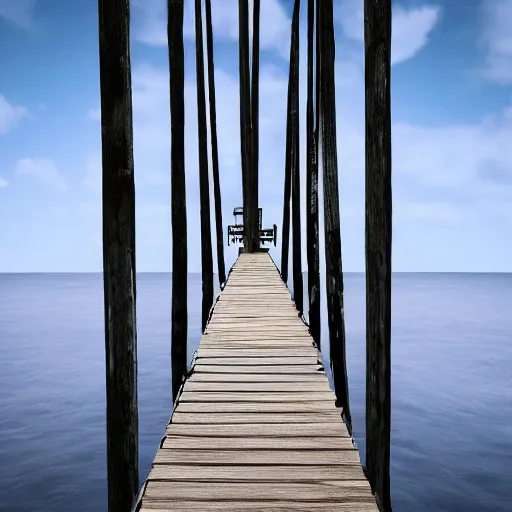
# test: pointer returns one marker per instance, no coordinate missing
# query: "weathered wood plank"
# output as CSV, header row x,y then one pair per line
x,y
213,491
258,443
267,387
257,457
256,377
288,369
257,473
330,429
255,396
258,361
263,354
359,505
193,418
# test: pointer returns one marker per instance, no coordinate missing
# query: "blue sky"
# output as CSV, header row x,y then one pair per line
x,y
452,132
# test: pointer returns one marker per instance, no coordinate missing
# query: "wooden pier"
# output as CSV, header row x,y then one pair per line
x,y
255,426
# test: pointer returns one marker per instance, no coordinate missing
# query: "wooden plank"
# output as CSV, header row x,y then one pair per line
x,y
358,505
256,377
227,418
269,345
329,429
257,457
288,369
257,407
258,361
272,387
262,353
256,473
258,443
219,491
255,396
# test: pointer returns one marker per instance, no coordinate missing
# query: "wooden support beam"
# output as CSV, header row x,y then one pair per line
x,y
255,106
215,151
333,265
178,195
251,232
377,36
294,121
312,182
119,276
204,188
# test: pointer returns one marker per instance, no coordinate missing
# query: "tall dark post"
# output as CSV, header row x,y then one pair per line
x,y
119,276
334,271
255,99
251,238
377,43
204,192
179,207
285,236
295,160
215,152
312,185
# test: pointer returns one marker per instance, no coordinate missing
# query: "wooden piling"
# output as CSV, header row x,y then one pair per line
x,y
204,191
333,264
251,237
179,207
312,185
285,231
377,36
221,268
119,275
294,121
255,99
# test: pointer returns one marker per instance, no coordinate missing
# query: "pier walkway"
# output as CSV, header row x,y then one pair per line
x,y
255,426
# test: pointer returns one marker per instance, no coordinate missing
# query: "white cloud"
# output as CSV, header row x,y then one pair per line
x,y
497,39
10,115
150,20
42,169
19,12
410,31
3,183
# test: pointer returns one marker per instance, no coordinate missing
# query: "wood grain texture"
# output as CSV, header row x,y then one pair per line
x,y
333,263
204,186
359,505
377,35
119,270
312,117
221,267
258,443
293,120
179,315
256,425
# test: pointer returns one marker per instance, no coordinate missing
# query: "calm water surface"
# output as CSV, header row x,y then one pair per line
x,y
452,380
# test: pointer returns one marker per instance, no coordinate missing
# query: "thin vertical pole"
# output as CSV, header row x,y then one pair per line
x,y
178,199
255,93
377,36
119,276
245,128
333,264
215,152
312,185
295,161
285,236
204,191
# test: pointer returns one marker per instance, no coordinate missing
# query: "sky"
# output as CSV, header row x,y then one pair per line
x,y
451,132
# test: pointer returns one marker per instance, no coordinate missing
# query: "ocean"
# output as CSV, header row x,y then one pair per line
x,y
451,387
